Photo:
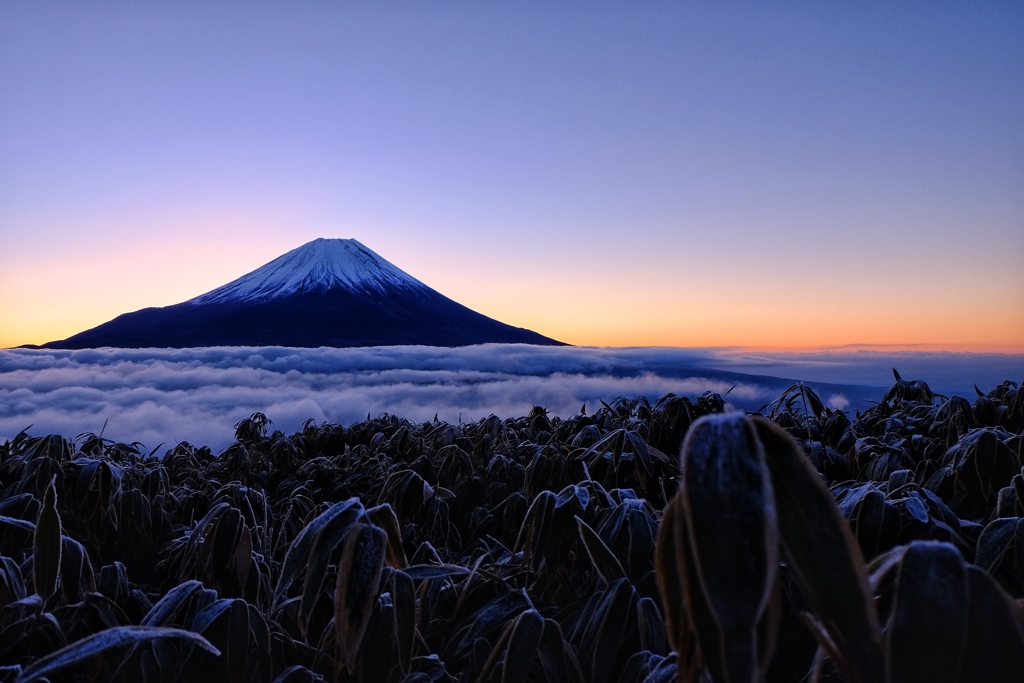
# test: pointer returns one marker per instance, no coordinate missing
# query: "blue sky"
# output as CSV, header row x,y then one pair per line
x,y
665,174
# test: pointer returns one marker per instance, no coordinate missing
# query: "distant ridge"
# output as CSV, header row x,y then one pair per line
x,y
328,292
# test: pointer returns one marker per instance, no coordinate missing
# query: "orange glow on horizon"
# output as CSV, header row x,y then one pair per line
x,y
53,315
844,181
30,326
86,288
779,330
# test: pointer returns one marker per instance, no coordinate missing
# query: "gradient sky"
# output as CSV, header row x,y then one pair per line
x,y
648,174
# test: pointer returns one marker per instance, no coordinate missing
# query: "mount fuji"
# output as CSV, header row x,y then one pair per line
x,y
328,292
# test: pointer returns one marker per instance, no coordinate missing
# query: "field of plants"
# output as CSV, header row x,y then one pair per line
x,y
655,542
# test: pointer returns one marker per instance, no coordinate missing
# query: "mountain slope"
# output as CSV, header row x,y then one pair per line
x,y
324,293
319,265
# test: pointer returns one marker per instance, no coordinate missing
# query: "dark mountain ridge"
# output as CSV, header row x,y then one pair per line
x,y
325,293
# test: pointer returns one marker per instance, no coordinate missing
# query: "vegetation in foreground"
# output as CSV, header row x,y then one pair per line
x,y
884,546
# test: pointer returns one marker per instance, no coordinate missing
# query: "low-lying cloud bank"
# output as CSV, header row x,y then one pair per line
x,y
946,372
162,396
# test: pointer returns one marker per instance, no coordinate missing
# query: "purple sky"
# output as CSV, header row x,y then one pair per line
x,y
621,175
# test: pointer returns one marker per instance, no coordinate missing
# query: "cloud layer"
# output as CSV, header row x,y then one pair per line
x,y
162,396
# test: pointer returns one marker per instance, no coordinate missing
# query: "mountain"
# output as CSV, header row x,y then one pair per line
x,y
328,292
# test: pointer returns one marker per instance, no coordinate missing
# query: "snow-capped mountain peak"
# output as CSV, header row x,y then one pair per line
x,y
315,266
329,292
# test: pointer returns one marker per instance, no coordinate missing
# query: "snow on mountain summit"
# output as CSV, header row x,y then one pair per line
x,y
329,292
315,266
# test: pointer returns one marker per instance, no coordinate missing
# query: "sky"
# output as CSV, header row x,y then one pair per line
x,y
607,174
159,397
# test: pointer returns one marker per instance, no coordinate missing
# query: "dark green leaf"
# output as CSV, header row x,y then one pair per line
x,y
823,556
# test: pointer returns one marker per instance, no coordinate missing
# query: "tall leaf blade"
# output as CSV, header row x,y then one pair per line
x,y
995,638
384,517
927,630
404,600
46,545
171,603
102,641
603,639
556,657
493,615
22,524
522,646
604,561
327,539
298,551
730,517
824,557
359,571
670,579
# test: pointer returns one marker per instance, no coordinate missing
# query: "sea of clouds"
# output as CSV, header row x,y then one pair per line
x,y
163,396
